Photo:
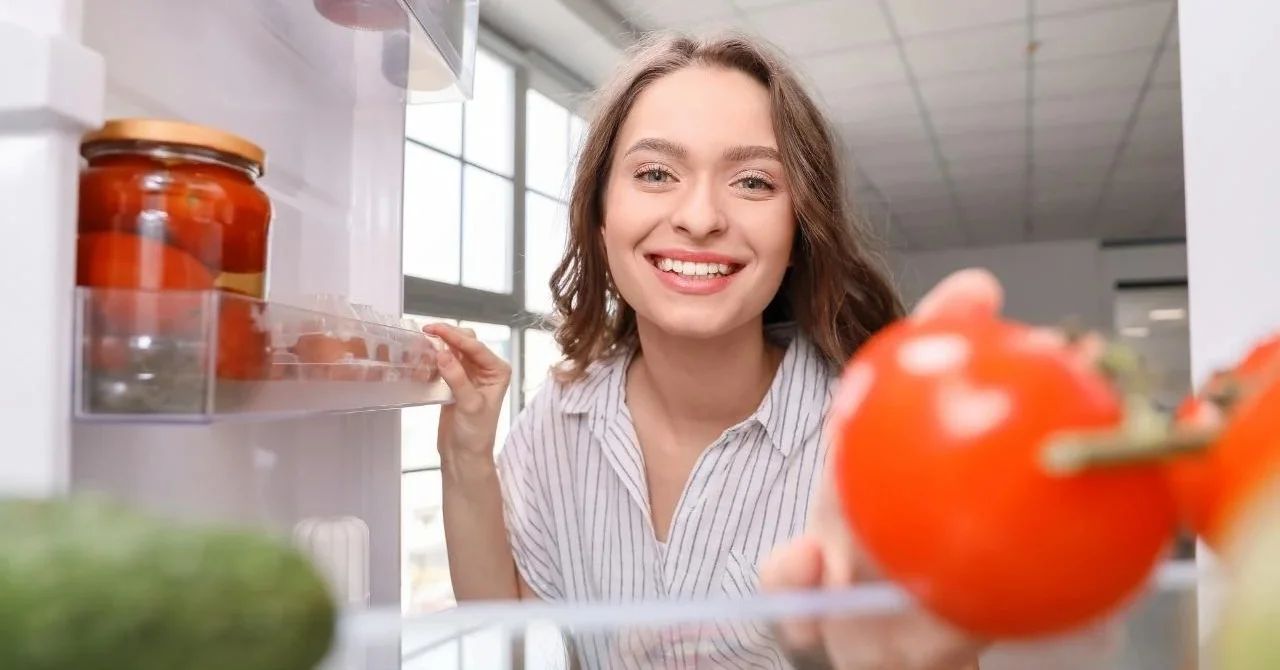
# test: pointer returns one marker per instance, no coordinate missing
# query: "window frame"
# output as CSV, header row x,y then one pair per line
x,y
463,303
456,301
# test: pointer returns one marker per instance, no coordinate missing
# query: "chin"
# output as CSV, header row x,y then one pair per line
x,y
696,322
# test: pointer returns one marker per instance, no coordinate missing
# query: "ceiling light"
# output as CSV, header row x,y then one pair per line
x,y
1135,331
1167,314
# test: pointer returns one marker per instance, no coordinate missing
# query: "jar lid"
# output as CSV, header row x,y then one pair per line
x,y
177,132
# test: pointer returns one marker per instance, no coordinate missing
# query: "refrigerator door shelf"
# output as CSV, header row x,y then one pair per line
x,y
205,356
1155,630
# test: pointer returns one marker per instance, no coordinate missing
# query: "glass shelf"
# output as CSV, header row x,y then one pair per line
x,y
1156,630
204,356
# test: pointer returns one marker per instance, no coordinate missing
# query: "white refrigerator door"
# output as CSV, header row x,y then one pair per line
x,y
327,102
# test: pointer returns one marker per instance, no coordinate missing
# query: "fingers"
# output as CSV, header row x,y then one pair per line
x,y
971,293
465,394
464,342
795,566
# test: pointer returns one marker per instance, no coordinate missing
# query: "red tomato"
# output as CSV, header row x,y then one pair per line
x,y
244,350
1191,477
1206,485
1220,485
126,261
939,431
213,213
1261,361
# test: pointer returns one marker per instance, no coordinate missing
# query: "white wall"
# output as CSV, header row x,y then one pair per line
x,y
1230,100
1046,282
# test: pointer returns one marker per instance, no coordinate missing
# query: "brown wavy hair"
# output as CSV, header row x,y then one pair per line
x,y
835,290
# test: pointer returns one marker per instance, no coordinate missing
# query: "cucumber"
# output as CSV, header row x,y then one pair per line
x,y
88,585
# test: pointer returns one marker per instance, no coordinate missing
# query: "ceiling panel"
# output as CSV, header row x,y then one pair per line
x,y
1105,135
987,216
864,66
873,157
936,237
1045,8
969,51
890,178
870,102
821,25
998,167
1169,151
1169,71
1006,195
896,130
1060,180
1150,174
916,17
719,25
980,146
933,205
1097,108
1164,102
1063,225
923,221
1083,75
897,190
758,4
993,87
1070,161
1123,28
1049,202
670,13
979,119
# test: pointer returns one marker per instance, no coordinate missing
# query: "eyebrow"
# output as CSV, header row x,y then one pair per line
x,y
736,154
659,146
749,153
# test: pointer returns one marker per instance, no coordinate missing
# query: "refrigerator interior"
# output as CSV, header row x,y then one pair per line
x,y
327,103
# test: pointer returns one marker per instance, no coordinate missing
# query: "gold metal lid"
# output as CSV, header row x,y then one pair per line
x,y
177,132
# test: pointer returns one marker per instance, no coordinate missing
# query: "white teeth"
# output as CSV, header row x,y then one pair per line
x,y
692,269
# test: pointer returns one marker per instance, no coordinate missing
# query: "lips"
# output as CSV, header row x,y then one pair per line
x,y
694,264
694,273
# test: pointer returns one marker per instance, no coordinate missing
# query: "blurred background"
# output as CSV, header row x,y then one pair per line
x,y
1039,138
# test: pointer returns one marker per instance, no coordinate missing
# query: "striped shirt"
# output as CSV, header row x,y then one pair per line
x,y
577,508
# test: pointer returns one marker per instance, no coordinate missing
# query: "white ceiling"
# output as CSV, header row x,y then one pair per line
x,y
975,122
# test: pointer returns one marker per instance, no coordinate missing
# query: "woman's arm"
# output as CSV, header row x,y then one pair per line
x,y
481,565
480,561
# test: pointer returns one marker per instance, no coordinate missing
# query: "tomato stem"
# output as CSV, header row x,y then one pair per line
x,y
1074,453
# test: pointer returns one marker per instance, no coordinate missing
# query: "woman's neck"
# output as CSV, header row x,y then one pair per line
x,y
696,382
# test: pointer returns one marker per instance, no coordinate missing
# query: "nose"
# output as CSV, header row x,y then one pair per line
x,y
697,213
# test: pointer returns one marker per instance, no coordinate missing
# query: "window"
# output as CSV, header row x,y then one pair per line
x,y
484,227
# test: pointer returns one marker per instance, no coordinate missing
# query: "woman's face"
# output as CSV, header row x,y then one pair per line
x,y
698,221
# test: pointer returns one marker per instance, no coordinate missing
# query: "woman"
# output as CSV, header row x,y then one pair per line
x,y
713,285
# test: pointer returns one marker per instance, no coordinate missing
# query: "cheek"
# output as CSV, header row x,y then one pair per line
x,y
771,235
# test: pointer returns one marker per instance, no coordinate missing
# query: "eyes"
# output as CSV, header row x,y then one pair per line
x,y
751,181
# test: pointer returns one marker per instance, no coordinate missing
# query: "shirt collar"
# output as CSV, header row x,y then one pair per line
x,y
791,411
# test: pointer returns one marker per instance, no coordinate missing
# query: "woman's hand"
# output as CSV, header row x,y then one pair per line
x,y
479,380
827,555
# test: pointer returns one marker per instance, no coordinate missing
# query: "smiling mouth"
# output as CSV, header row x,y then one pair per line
x,y
694,269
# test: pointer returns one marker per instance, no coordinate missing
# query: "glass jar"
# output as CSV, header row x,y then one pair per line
x,y
190,188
